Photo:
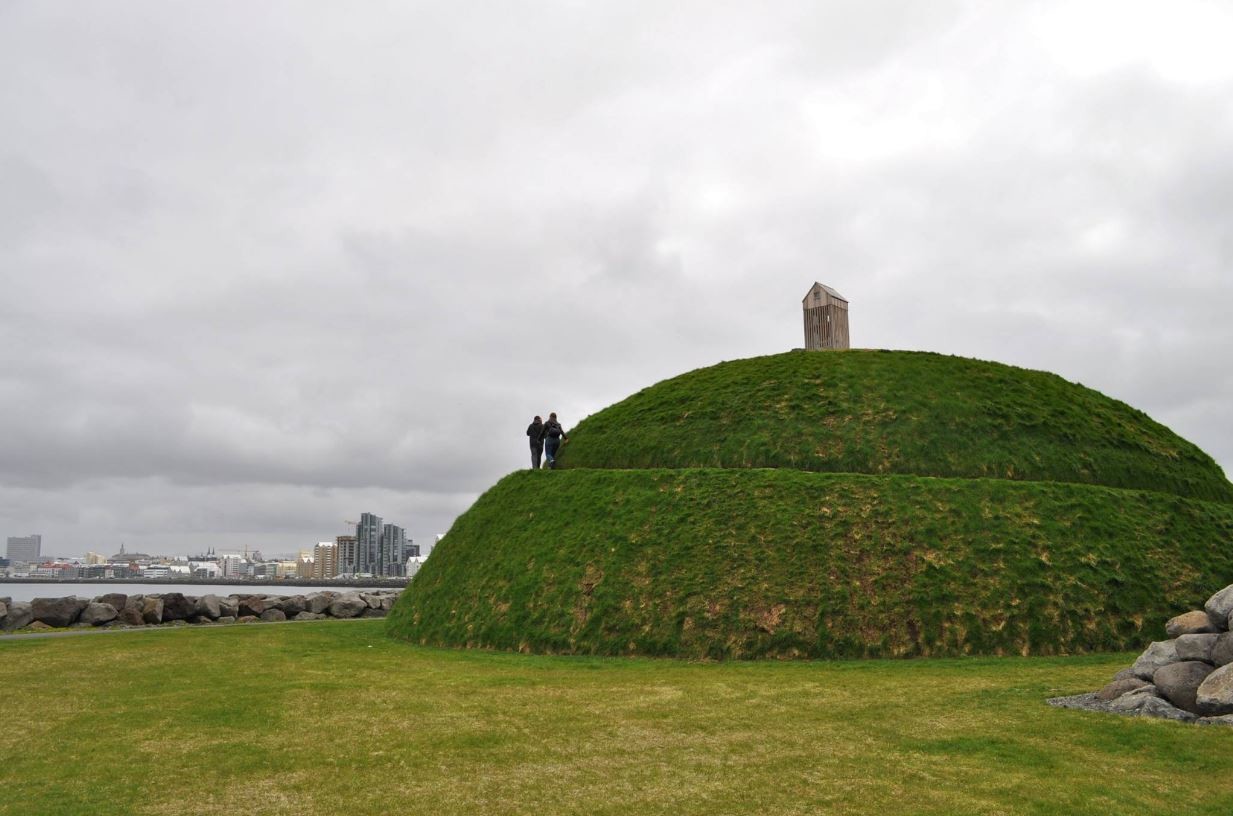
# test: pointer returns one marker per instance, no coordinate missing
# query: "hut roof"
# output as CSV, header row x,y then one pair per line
x,y
826,289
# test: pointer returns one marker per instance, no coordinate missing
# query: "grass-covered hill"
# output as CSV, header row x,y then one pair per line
x,y
977,509
893,412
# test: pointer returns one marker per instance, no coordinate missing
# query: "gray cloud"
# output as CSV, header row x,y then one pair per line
x,y
264,268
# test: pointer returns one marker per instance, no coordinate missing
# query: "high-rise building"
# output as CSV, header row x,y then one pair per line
x,y
346,556
413,550
325,559
392,558
367,544
27,549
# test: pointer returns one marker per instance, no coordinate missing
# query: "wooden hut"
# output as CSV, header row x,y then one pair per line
x,y
826,318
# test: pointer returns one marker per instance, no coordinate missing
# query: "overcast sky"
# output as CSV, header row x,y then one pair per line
x,y
266,266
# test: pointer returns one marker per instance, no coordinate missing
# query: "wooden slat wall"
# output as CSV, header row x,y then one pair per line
x,y
826,327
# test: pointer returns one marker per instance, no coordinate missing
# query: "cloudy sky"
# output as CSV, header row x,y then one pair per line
x,y
265,266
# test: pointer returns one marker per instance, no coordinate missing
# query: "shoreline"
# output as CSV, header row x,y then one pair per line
x,y
383,583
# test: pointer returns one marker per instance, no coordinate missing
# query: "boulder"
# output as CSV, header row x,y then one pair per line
x,y
177,607
251,606
4,612
118,600
208,606
1196,647
97,614
1225,719
303,616
226,619
247,619
1124,673
1179,682
39,626
373,601
135,602
1214,696
347,606
152,610
319,602
7,600
1189,623
373,613
130,616
1222,651
228,607
58,613
292,605
387,603
1218,608
272,615
1159,653
21,615
1119,687
273,601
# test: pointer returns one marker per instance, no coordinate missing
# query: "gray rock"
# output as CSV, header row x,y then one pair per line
x,y
1135,699
1196,647
39,626
208,606
251,606
4,612
177,607
118,600
131,616
96,614
21,615
1214,696
303,616
387,603
229,607
1124,674
226,619
292,605
1224,719
1222,652
1159,653
319,602
152,610
273,615
273,601
58,613
1179,683
6,600
373,613
1218,608
1156,707
1189,623
373,601
347,606
1119,687
134,602
247,619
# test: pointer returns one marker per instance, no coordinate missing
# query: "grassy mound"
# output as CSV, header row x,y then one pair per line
x,y
893,412
838,505
775,563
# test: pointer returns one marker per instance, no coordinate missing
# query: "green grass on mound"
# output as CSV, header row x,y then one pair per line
x,y
893,412
328,718
716,563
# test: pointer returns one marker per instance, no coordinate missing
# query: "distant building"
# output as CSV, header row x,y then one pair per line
x,y
826,318
93,558
27,549
367,545
392,558
325,559
348,555
304,564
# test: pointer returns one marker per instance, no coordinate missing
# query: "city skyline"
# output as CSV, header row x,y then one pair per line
x,y
258,271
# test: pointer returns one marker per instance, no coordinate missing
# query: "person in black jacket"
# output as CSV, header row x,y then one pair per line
x,y
536,431
554,435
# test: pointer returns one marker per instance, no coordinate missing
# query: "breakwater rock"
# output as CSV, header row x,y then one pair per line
x,y
1187,678
116,610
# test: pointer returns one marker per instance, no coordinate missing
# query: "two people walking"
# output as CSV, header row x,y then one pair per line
x,y
546,437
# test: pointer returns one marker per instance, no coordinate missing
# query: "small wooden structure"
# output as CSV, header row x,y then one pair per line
x,y
826,318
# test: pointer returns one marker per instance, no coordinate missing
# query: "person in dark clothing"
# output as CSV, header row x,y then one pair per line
x,y
536,431
554,435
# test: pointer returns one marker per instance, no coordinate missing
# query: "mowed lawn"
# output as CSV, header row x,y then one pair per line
x,y
336,718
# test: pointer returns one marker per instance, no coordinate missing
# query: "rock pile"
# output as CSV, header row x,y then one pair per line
x,y
115,610
1188,677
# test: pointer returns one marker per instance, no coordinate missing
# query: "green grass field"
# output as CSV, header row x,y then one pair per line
x,y
336,718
